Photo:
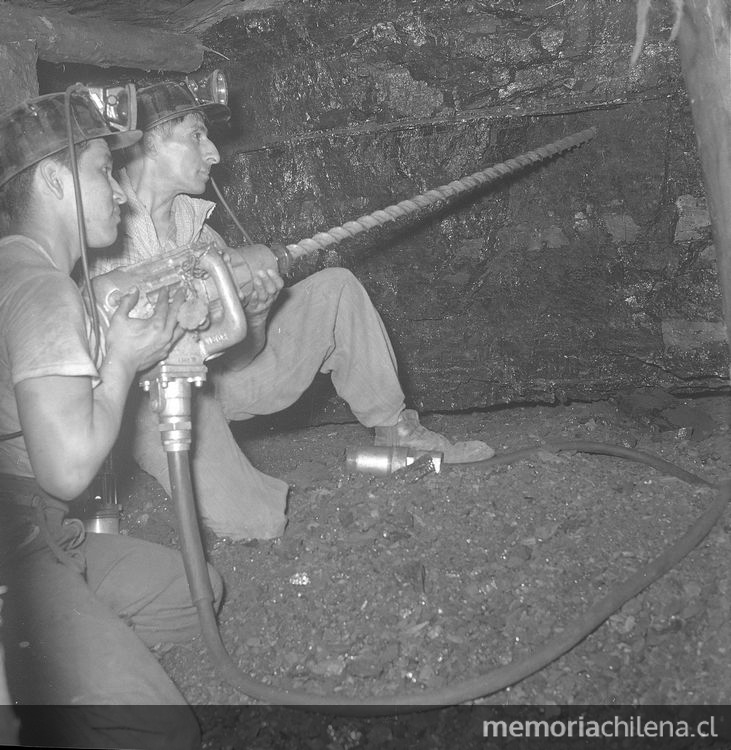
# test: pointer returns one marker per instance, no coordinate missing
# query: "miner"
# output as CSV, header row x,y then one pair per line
x,y
325,323
82,610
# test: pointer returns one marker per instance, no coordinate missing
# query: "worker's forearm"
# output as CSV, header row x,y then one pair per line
x,y
69,427
108,402
102,425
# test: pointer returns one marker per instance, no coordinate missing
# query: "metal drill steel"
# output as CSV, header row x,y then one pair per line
x,y
322,240
215,279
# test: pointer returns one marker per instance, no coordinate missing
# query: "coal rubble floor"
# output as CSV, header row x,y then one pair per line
x,y
418,580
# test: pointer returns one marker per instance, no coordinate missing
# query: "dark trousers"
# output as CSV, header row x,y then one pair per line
x,y
79,615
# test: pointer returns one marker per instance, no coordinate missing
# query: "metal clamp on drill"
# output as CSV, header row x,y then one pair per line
x,y
211,315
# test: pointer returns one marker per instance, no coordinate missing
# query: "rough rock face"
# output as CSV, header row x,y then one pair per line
x,y
18,62
585,275
588,274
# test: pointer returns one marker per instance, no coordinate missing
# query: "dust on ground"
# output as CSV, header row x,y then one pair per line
x,y
419,580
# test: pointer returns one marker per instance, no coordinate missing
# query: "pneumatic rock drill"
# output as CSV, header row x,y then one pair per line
x,y
216,281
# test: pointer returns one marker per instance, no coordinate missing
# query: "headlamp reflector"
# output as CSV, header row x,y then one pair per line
x,y
209,89
118,105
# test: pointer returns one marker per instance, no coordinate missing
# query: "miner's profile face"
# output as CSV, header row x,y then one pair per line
x,y
185,156
101,195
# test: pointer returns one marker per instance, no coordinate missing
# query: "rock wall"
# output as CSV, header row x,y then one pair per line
x,y
592,273
588,274
18,79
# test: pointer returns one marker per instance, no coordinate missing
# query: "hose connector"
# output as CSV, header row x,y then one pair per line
x,y
172,401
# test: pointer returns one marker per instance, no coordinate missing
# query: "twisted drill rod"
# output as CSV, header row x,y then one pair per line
x,y
302,257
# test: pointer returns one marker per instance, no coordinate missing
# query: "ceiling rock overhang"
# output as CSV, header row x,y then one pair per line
x,y
159,35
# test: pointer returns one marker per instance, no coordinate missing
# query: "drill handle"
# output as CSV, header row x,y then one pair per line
x,y
283,256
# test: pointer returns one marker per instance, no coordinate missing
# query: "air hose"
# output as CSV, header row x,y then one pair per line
x,y
302,258
466,690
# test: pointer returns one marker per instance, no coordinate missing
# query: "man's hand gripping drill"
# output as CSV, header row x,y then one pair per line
x,y
213,293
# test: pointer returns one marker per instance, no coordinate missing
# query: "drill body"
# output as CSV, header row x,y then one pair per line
x,y
212,314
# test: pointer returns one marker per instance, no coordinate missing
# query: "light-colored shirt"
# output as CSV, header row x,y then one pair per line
x,y
138,240
44,330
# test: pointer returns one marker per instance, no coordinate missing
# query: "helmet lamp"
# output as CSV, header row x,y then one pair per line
x,y
168,100
209,89
118,105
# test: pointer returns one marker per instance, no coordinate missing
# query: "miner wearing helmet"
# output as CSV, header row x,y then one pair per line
x,y
81,609
323,324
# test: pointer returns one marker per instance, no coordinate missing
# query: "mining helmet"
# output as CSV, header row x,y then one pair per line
x,y
37,128
165,101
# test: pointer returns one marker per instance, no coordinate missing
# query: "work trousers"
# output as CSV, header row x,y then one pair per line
x,y
79,616
323,324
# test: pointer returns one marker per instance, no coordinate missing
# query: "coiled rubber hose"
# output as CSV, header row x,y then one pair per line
x,y
467,690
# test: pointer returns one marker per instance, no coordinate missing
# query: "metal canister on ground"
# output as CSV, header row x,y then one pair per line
x,y
384,460
102,513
